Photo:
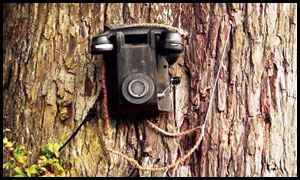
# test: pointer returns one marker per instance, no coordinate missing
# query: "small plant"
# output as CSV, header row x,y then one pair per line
x,y
15,159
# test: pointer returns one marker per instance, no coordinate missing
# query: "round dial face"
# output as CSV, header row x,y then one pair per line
x,y
138,88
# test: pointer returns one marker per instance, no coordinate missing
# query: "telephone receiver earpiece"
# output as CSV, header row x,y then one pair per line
x,y
169,44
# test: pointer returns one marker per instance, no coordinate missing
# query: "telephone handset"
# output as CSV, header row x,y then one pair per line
x,y
137,61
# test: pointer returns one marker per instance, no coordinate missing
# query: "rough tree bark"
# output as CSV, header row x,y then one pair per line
x,y
50,80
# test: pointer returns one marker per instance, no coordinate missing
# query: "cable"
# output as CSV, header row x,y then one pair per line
x,y
88,115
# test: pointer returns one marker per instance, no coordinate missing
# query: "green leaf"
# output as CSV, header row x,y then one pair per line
x,y
56,147
7,165
53,148
52,161
8,144
43,160
50,147
20,157
58,167
20,175
63,174
19,172
43,169
5,140
20,147
32,170
46,152
6,130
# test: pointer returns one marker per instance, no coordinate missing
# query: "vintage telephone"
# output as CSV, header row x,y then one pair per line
x,y
137,61
137,77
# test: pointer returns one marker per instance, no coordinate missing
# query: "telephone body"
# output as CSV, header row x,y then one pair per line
x,y
137,60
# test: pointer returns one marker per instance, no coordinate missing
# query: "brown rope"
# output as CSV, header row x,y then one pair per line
x,y
176,163
106,114
172,134
131,160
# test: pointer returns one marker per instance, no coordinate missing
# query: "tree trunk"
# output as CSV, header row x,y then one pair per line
x,y
50,80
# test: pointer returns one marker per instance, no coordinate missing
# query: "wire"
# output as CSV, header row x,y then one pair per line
x,y
88,115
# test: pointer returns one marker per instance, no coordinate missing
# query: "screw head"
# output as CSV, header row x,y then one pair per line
x,y
175,80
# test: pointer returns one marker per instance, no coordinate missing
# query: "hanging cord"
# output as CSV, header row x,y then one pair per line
x,y
220,67
172,134
177,162
88,115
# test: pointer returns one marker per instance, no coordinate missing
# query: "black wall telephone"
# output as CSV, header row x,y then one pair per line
x,y
137,61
